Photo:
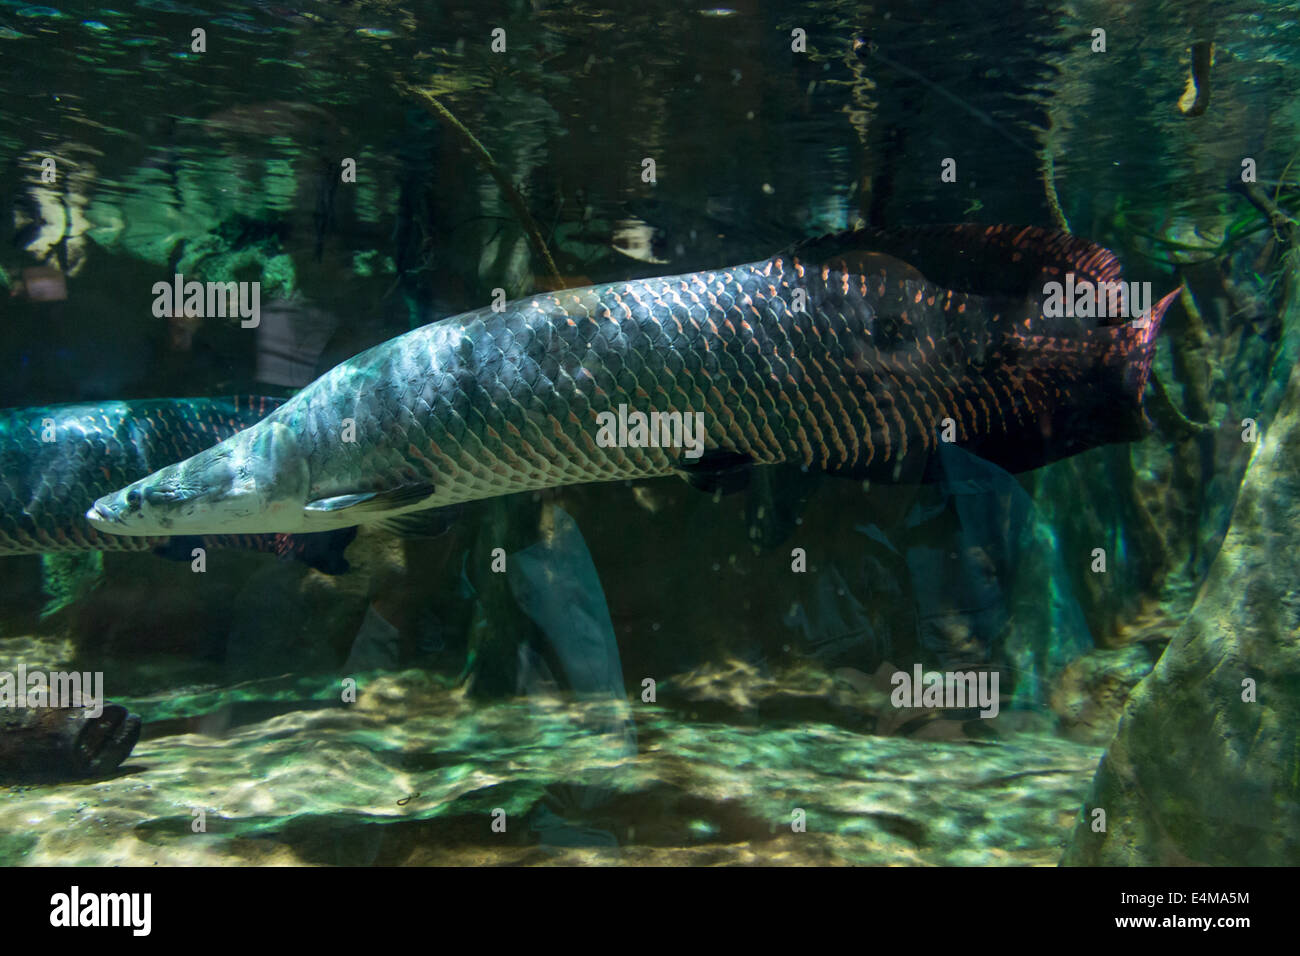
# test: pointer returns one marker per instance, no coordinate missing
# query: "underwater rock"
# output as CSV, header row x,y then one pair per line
x,y
1091,692
40,744
1204,767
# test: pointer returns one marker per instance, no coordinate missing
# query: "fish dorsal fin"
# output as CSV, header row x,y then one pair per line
x,y
364,505
983,260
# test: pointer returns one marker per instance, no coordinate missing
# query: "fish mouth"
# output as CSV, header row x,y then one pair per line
x,y
105,741
100,516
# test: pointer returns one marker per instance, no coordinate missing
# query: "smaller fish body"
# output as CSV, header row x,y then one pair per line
x,y
40,744
56,459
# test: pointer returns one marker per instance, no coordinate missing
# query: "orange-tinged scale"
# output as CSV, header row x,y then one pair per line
x,y
804,444
829,420
1011,399
923,375
902,423
880,420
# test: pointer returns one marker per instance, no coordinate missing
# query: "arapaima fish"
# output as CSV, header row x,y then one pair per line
x,y
855,354
56,458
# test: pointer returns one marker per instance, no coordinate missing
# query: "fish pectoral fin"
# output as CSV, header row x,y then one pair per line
x,y
365,503
718,470
423,524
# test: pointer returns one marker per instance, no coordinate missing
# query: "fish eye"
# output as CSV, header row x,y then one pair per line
x,y
133,498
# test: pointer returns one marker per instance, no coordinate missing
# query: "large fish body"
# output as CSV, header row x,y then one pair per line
x,y
56,459
855,354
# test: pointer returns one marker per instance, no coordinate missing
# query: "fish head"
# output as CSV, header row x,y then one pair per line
x,y
254,482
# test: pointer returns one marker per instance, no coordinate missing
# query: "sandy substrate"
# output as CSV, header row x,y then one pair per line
x,y
413,773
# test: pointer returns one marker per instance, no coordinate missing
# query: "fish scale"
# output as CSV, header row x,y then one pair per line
x,y
845,354
521,389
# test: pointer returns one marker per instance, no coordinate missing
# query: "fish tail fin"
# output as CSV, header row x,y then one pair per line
x,y
1143,331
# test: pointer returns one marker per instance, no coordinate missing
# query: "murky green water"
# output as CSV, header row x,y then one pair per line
x,y
644,672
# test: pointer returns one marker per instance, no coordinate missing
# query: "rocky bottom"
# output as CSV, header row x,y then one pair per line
x,y
280,772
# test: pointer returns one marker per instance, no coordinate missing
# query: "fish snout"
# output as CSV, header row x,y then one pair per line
x,y
110,512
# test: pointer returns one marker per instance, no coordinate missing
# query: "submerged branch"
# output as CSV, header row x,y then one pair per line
x,y
508,190
1049,186
1283,225
1167,415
